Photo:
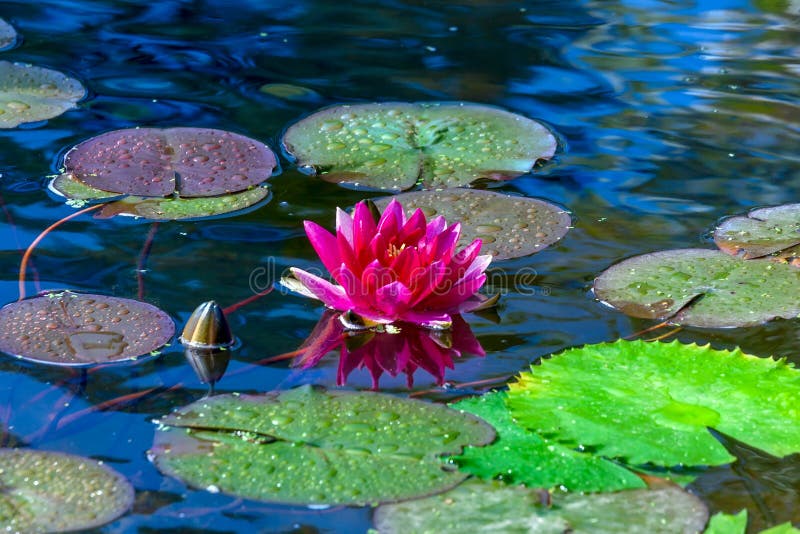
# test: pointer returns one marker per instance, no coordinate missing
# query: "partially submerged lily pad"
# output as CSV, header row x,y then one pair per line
x,y
653,402
66,328
154,162
29,93
56,492
509,226
8,36
761,232
523,457
477,506
307,446
699,287
395,145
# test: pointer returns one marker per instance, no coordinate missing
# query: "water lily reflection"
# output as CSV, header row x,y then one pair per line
x,y
395,349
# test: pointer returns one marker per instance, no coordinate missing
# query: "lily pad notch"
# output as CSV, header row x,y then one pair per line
x,y
171,173
395,145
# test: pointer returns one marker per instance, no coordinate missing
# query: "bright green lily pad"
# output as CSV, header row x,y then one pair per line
x,y
699,287
652,402
727,524
508,226
395,145
783,528
30,94
307,446
522,457
8,36
56,492
761,232
478,506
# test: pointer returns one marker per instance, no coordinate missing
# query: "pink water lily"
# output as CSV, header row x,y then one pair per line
x,y
395,269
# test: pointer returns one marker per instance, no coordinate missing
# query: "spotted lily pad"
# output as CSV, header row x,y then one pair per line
x,y
66,328
478,506
56,492
154,162
698,287
653,402
30,94
307,446
394,145
523,457
7,34
509,226
761,232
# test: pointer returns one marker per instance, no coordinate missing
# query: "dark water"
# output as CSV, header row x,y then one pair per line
x,y
672,114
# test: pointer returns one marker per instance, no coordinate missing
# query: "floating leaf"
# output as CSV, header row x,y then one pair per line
x,y
307,446
30,94
56,492
668,285
727,524
66,328
523,457
7,34
477,506
761,232
66,186
508,226
169,209
653,402
394,145
154,162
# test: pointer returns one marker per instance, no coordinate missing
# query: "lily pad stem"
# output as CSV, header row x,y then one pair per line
x,y
26,257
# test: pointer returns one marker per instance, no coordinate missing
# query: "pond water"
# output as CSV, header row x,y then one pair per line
x,y
671,114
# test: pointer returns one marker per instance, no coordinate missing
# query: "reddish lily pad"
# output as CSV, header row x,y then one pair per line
x,y
7,34
79,329
55,492
394,145
154,162
761,232
30,94
699,287
509,226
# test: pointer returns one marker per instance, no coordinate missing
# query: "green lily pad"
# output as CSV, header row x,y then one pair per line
x,y
56,492
522,457
653,402
761,232
509,226
699,287
80,329
783,528
721,523
155,162
307,446
30,94
478,506
8,36
395,145
169,209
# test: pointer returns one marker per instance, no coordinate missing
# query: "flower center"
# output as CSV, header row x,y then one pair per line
x,y
395,251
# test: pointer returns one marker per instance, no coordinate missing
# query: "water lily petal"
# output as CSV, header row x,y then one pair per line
x,y
344,225
392,219
426,318
393,298
332,295
435,227
414,228
325,244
